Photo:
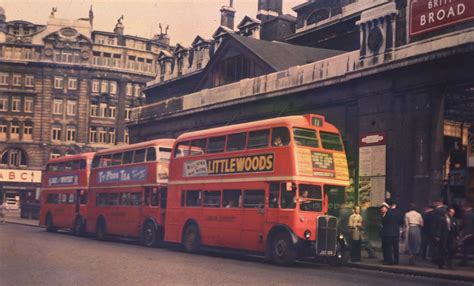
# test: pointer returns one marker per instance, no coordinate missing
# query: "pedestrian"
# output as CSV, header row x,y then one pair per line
x,y
414,224
391,222
355,226
453,237
439,229
467,239
2,212
426,239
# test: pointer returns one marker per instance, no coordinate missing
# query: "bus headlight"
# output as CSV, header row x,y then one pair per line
x,y
307,234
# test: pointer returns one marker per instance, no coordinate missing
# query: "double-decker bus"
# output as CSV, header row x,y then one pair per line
x,y
63,201
128,190
260,187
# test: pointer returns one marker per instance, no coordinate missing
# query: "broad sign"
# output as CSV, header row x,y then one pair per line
x,y
428,15
20,176
227,166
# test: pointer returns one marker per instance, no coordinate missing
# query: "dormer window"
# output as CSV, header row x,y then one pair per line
x,y
318,16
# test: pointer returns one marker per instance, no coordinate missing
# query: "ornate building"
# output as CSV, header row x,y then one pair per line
x,y
66,89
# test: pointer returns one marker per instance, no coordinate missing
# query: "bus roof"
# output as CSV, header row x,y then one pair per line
x,y
296,120
87,155
157,142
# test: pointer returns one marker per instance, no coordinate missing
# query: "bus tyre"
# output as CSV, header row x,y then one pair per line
x,y
283,249
101,231
49,224
149,235
191,239
79,227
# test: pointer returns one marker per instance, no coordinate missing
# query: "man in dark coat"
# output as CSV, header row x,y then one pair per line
x,y
467,240
392,219
426,243
440,230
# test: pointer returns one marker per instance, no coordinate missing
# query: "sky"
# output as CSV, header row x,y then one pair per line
x,y
186,18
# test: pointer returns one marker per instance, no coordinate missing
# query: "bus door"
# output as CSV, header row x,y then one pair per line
x,y
272,212
134,213
253,218
77,203
151,204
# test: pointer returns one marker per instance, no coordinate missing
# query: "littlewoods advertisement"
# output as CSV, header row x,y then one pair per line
x,y
234,165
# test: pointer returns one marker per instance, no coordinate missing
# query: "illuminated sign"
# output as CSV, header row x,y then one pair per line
x,y
129,174
20,176
227,166
428,15
63,180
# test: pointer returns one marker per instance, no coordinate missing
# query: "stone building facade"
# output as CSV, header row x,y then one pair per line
x,y
65,89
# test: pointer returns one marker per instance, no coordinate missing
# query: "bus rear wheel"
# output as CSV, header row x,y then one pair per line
x,y
101,231
49,224
149,235
191,239
283,249
79,227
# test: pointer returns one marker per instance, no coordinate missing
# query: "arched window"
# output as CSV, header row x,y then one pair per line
x,y
70,152
14,158
318,16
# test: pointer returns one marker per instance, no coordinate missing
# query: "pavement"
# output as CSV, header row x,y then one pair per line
x,y
421,268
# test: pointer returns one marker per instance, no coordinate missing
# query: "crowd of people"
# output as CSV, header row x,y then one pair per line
x,y
436,233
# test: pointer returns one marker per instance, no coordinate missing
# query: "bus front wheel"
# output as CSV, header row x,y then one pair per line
x,y
49,224
283,249
149,235
101,231
191,239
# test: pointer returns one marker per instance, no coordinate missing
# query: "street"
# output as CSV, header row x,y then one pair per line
x,y
31,256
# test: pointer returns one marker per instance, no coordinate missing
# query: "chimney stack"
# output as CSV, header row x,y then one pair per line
x,y
269,9
227,16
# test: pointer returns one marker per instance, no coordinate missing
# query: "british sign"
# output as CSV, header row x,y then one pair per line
x,y
428,15
130,174
20,176
227,166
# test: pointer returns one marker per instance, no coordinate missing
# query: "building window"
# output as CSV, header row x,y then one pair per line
x,y
136,90
94,110
28,131
69,153
126,137
113,87
102,138
7,52
55,154
16,80
102,109
16,102
72,83
112,112
71,133
14,158
58,82
3,103
58,106
92,134
56,133
104,86
29,80
128,113
28,104
95,85
15,131
3,78
112,136
71,107
3,130
129,90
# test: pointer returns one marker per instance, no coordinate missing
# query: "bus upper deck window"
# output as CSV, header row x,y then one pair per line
x,y
127,157
236,142
96,162
197,147
182,149
331,141
139,156
258,139
305,137
216,144
82,164
151,154
116,159
280,136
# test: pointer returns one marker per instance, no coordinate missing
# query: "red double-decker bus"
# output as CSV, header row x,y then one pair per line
x,y
128,191
260,186
63,202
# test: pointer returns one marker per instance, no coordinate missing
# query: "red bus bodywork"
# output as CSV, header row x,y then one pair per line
x,y
128,188
262,178
64,188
